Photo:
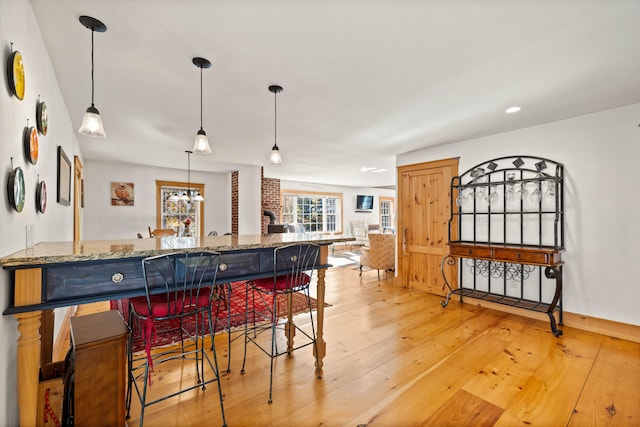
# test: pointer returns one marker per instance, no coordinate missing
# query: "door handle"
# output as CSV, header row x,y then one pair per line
x,y
404,241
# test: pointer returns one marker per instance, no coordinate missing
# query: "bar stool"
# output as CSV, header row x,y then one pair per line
x,y
179,287
293,267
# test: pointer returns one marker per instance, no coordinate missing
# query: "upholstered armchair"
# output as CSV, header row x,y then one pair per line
x,y
380,254
359,230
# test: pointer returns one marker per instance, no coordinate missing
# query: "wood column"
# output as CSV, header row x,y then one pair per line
x,y
321,345
28,290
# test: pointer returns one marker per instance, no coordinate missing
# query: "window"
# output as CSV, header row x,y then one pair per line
x,y
386,213
173,214
316,212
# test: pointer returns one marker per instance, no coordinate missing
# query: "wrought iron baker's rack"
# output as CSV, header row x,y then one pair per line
x,y
507,223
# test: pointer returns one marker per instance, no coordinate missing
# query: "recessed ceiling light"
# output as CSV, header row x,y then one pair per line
x,y
512,110
374,169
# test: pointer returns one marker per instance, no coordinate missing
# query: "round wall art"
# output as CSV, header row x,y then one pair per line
x,y
42,117
15,189
41,197
30,141
15,74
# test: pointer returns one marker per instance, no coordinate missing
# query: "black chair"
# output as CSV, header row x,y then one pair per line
x,y
179,289
293,267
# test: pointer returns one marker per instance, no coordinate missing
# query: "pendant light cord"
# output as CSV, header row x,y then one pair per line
x,y
92,83
275,118
201,98
189,172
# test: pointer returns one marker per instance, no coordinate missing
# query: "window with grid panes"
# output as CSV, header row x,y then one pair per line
x,y
174,213
315,212
386,212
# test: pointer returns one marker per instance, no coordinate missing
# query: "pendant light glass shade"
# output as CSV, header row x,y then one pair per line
x,y
174,197
91,121
275,158
198,198
201,143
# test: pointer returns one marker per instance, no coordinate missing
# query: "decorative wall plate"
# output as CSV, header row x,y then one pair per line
x,y
41,197
30,141
15,189
42,117
15,74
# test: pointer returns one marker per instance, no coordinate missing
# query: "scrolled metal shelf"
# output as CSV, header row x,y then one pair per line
x,y
499,269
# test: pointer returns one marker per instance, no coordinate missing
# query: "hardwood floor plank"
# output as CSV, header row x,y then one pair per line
x,y
436,385
556,385
465,409
610,396
505,376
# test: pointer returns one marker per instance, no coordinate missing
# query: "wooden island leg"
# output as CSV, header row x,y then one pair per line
x,y
290,327
28,290
28,357
321,345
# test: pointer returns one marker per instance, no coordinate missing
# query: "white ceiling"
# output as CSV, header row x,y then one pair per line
x,y
363,80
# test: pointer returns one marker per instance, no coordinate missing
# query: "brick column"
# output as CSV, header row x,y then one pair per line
x,y
270,200
234,202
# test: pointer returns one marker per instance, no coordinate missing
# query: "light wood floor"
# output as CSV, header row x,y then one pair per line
x,y
396,358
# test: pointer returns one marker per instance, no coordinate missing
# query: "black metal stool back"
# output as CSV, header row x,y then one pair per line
x,y
179,288
293,268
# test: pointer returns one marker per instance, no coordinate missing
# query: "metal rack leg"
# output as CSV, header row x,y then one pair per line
x,y
449,261
555,273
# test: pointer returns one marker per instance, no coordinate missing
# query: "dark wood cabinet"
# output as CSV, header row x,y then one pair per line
x,y
99,344
504,253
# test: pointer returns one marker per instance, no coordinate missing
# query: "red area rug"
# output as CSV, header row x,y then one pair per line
x,y
168,332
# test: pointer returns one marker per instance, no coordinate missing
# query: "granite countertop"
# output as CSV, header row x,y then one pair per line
x,y
92,250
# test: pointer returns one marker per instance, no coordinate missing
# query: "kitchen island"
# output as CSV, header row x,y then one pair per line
x,y
59,274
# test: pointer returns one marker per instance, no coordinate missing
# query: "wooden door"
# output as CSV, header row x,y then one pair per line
x,y
423,215
78,194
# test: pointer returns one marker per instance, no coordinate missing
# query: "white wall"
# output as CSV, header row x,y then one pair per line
x,y
250,200
18,25
600,153
348,199
103,221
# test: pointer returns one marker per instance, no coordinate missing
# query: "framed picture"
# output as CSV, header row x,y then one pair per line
x,y
64,178
122,194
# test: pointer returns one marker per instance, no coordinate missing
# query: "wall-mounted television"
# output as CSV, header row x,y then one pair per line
x,y
364,203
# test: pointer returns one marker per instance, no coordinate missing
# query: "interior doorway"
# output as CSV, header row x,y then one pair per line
x,y
424,201
78,199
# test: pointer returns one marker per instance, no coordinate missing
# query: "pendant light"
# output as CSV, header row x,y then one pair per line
x,y
91,121
201,144
275,158
185,194
188,195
